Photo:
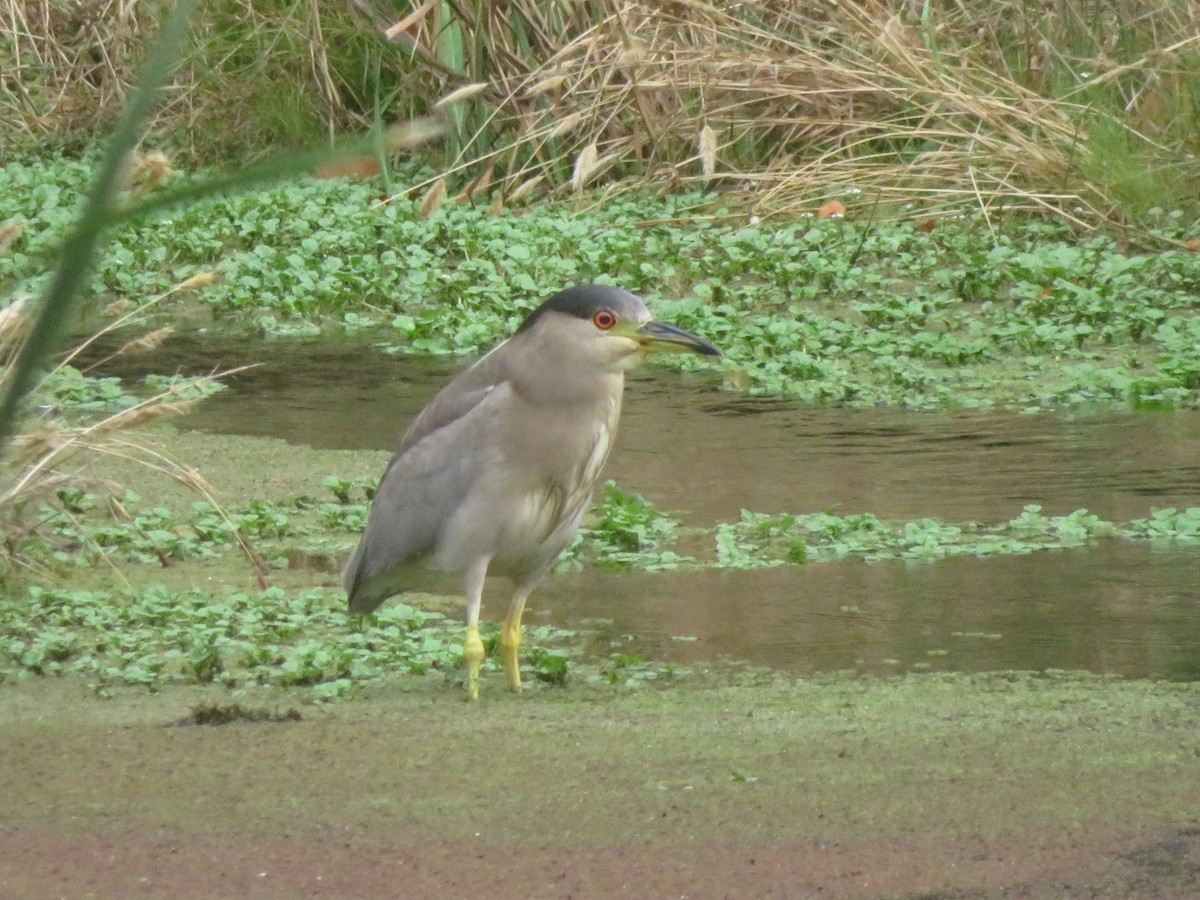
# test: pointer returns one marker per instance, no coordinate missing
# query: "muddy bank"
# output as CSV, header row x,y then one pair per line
x,y
928,785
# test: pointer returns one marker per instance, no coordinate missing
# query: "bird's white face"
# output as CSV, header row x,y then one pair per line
x,y
607,341
614,334
614,338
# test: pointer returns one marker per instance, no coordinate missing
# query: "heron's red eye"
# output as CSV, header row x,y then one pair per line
x,y
604,319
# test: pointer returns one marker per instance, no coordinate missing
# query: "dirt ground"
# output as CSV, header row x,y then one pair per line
x,y
926,786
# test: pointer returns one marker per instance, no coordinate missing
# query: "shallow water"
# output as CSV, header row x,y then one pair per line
x,y
1120,607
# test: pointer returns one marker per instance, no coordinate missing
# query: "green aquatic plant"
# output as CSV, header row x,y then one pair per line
x,y
624,530
301,636
1023,313
155,636
1167,526
758,540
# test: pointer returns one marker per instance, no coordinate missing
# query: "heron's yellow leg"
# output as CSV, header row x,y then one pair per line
x,y
510,640
473,654
473,645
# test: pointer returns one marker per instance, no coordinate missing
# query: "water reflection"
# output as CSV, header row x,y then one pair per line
x,y
1118,608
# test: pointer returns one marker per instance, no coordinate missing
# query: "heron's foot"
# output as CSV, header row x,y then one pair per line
x,y
473,654
510,644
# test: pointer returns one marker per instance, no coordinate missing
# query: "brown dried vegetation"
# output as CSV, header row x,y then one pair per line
x,y
948,105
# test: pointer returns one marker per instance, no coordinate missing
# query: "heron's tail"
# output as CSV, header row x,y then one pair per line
x,y
360,598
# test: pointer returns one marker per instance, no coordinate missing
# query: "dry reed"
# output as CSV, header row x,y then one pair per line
x,y
944,105
788,103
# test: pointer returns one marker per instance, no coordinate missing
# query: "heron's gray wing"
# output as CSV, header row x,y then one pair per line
x,y
457,398
426,480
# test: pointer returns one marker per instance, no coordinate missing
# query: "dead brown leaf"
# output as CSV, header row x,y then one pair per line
x,y
353,167
831,208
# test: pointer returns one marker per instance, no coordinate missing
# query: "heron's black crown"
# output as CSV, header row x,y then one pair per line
x,y
582,301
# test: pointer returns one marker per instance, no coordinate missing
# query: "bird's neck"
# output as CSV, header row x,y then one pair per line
x,y
553,379
568,389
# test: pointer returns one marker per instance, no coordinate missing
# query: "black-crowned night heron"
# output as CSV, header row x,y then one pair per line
x,y
494,475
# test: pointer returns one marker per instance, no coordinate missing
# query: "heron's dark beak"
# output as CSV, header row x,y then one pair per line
x,y
663,338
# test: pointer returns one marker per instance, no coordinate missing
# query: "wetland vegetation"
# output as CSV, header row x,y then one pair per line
x,y
978,215
829,310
